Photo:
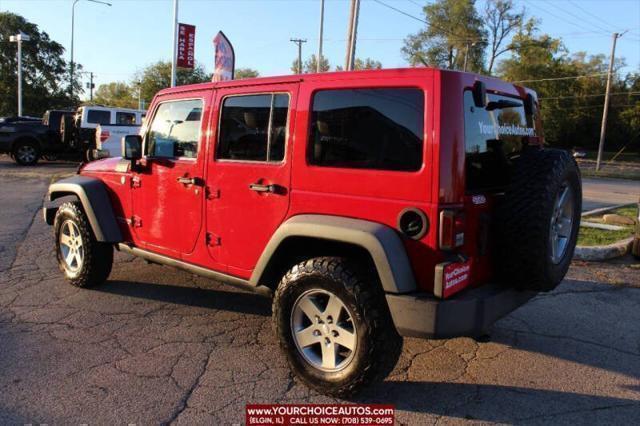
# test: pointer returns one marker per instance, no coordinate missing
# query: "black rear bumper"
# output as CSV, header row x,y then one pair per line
x,y
470,313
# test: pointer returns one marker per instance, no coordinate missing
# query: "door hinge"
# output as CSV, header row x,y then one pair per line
x,y
134,222
212,239
212,194
136,182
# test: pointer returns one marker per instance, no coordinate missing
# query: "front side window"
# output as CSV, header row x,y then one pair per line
x,y
367,129
493,135
175,130
98,117
125,118
253,127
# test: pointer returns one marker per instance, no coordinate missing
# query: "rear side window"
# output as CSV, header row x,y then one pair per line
x,y
98,117
253,128
175,130
494,135
125,118
367,129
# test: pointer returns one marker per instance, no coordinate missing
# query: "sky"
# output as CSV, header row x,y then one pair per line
x,y
115,42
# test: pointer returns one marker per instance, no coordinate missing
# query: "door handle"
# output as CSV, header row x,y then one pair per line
x,y
262,188
189,181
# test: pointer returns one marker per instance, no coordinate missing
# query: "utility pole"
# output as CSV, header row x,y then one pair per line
x,y
466,55
19,38
91,86
319,62
352,33
174,57
605,110
299,42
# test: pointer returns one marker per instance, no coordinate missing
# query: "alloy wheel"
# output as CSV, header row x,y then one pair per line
x,y
323,330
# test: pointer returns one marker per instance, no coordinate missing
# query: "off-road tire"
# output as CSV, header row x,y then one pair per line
x,y
98,257
523,219
26,152
378,343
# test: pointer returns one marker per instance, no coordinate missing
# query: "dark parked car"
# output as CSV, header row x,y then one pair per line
x,y
27,140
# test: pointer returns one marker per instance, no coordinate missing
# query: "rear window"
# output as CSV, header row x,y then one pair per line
x,y
98,117
367,129
125,118
494,136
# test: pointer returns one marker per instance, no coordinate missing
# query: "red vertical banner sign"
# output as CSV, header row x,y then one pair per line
x,y
186,46
225,58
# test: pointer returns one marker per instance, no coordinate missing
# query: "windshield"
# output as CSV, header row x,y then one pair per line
x,y
494,135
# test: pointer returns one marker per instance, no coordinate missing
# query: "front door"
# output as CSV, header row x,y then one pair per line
x,y
250,173
168,188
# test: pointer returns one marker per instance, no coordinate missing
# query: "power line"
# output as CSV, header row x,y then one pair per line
x,y
596,22
598,18
562,78
401,12
592,96
556,16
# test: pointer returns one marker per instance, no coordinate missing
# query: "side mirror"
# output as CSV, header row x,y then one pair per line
x,y
479,94
131,147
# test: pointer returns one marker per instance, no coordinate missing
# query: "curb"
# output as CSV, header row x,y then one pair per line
x,y
599,253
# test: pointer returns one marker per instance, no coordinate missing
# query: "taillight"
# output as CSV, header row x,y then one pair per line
x,y
104,135
451,229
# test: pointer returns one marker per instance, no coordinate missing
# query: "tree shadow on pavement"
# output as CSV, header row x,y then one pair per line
x,y
241,302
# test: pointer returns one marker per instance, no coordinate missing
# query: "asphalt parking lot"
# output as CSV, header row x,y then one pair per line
x,y
155,345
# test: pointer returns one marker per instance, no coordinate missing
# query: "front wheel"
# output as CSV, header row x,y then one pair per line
x,y
333,326
84,261
26,153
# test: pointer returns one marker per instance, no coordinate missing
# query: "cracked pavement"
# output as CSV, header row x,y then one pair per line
x,y
156,345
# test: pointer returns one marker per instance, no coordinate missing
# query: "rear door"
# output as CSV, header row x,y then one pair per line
x,y
249,176
168,190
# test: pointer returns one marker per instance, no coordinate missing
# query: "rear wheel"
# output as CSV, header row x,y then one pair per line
x,y
26,153
334,326
84,261
538,220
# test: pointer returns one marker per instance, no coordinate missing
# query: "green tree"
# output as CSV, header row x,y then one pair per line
x,y
157,76
310,65
454,31
117,94
363,64
44,72
242,73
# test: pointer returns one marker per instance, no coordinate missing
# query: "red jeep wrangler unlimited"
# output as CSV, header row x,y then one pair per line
x,y
374,204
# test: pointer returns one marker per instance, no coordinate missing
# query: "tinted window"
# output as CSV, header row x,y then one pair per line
x,y
99,117
493,136
367,129
253,127
125,118
175,130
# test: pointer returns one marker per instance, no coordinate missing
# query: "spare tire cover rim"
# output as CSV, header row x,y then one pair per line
x,y
561,229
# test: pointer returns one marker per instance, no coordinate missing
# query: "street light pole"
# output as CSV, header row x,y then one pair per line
x,y
73,18
174,58
19,38
352,33
319,62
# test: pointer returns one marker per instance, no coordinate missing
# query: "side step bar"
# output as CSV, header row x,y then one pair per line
x,y
197,270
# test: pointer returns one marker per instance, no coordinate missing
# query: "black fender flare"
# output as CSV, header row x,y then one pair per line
x,y
381,241
94,198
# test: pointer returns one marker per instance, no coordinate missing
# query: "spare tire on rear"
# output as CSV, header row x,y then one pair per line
x,y
537,221
66,130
